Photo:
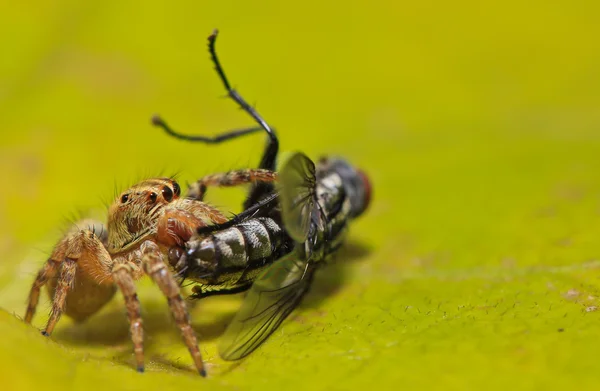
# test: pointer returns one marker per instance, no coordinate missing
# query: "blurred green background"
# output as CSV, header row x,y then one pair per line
x,y
476,265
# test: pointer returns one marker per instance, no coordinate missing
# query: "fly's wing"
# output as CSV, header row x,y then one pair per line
x,y
296,187
281,287
270,300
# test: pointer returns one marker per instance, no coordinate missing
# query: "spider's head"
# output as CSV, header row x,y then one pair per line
x,y
136,211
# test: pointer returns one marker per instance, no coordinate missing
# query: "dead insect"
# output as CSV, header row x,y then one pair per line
x,y
275,257
274,246
317,204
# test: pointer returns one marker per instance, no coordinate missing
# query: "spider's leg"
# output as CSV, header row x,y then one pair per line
x,y
202,210
80,254
157,270
124,280
48,271
65,283
230,179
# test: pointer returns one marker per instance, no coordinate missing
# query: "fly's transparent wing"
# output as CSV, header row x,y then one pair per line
x,y
296,187
270,300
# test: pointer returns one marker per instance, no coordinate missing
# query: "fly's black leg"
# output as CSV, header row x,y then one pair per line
x,y
158,121
269,157
270,154
200,294
268,203
268,160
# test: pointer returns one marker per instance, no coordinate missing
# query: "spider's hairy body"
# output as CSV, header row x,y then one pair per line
x,y
88,265
90,287
146,234
143,213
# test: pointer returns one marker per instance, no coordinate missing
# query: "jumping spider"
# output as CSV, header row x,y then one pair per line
x,y
147,225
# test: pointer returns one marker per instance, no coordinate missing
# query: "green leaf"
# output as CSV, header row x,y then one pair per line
x,y
477,264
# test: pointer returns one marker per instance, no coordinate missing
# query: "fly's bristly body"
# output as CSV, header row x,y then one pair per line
x,y
228,258
274,246
317,204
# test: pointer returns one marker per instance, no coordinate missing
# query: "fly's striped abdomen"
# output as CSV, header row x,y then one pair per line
x,y
230,259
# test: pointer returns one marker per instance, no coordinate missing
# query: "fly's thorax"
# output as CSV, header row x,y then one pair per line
x,y
356,184
330,217
134,214
330,194
326,236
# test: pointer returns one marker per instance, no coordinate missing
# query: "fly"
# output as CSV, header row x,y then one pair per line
x,y
273,247
317,204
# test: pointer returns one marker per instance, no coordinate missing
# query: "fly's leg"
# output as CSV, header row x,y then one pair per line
x,y
230,179
269,157
157,270
269,202
270,154
229,135
268,160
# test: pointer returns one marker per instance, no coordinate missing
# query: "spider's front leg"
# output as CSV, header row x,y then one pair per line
x,y
156,268
122,274
79,261
197,190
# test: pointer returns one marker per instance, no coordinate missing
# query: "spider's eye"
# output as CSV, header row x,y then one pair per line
x,y
167,193
124,198
153,196
176,188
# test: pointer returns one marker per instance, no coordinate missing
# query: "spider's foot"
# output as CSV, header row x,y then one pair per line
x,y
45,334
202,372
140,368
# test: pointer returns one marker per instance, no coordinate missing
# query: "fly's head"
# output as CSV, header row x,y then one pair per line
x,y
135,212
356,183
